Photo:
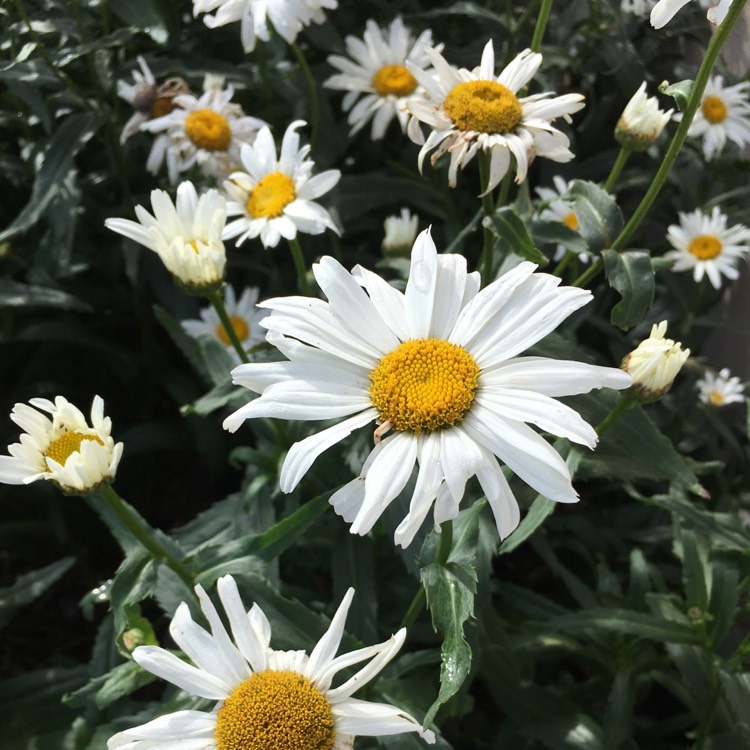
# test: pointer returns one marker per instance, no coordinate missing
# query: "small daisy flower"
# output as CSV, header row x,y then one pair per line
x,y
266,698
376,77
640,8
704,244
724,114
557,209
186,235
437,369
654,364
62,447
665,10
275,198
288,17
243,316
721,389
207,131
400,233
473,110
641,122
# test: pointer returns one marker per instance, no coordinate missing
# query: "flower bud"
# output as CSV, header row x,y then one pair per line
x,y
400,233
641,122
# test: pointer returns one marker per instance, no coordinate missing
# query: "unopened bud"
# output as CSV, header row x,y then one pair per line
x,y
641,122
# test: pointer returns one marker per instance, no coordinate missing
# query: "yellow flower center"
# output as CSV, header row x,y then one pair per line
x,y
571,221
60,450
240,326
714,109
716,398
270,195
161,106
424,384
208,130
273,710
483,106
705,246
395,80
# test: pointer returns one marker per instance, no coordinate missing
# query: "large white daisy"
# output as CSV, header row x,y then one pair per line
x,y
62,447
437,368
243,315
288,17
266,698
376,77
186,235
724,114
473,110
720,389
705,245
275,198
208,131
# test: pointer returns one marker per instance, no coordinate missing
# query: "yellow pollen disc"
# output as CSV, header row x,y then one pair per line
x,y
241,328
161,106
705,246
483,106
424,384
60,450
714,109
208,130
571,221
270,195
395,80
273,710
716,398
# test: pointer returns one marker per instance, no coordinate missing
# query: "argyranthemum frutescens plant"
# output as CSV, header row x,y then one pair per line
x,y
611,622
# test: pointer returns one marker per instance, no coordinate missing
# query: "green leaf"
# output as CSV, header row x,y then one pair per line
x,y
723,601
143,14
509,228
693,572
30,586
630,274
679,91
110,687
618,717
737,691
134,581
16,294
556,233
599,216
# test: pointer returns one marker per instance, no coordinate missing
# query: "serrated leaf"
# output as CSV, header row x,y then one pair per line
x,y
631,275
509,228
599,216
679,91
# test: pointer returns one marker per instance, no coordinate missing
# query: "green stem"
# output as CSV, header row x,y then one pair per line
x,y
488,208
624,402
299,264
563,264
620,162
142,534
541,25
217,300
589,273
680,135
313,92
710,712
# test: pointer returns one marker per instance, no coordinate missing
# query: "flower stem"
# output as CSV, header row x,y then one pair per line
x,y
624,402
143,534
312,91
488,208
620,162
541,25
589,273
217,301
299,264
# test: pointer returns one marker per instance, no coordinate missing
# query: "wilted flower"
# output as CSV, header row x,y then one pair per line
x,y
400,233
720,389
641,122
62,448
654,364
186,235
376,78
437,369
473,110
267,698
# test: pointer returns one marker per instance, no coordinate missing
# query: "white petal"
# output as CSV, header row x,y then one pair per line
x,y
325,649
367,719
420,288
242,631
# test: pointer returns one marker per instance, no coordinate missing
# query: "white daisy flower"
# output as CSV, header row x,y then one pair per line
x,y
186,235
275,198
288,17
473,110
641,122
720,389
437,367
705,245
654,363
378,74
62,448
557,209
207,131
640,8
243,315
399,233
266,698
724,114
665,10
